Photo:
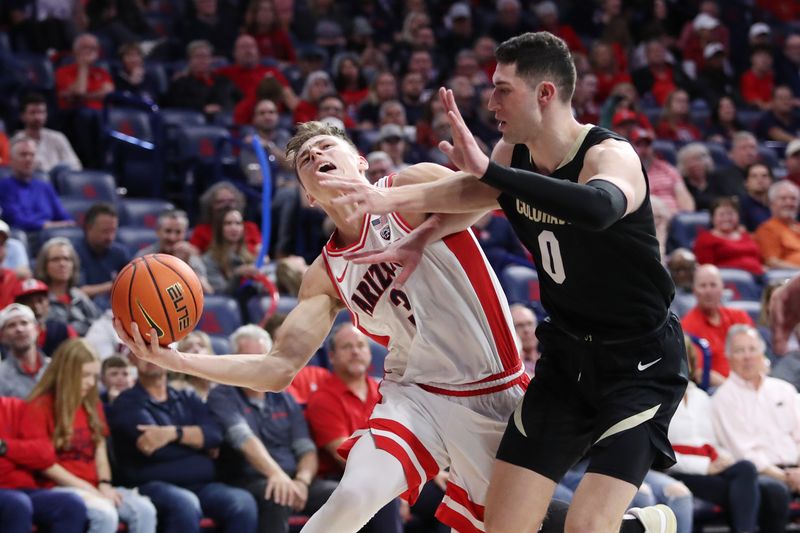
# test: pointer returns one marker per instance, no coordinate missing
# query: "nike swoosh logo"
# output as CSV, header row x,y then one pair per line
x,y
341,279
642,367
150,321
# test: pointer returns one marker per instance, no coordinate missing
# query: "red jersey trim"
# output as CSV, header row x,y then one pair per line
x,y
450,517
353,316
333,251
456,519
469,256
522,380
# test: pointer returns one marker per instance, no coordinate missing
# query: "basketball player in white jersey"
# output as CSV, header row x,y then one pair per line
x,y
453,375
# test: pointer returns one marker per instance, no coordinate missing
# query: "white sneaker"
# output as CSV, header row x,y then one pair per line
x,y
656,519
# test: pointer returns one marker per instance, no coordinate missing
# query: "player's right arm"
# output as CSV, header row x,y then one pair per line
x,y
297,340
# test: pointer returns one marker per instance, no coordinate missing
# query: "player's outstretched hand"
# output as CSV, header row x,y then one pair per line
x,y
464,152
362,196
784,313
152,352
406,251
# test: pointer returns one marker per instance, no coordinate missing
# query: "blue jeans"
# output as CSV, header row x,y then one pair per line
x,y
180,509
59,512
681,505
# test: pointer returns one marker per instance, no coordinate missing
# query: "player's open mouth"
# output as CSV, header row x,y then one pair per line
x,y
326,167
501,125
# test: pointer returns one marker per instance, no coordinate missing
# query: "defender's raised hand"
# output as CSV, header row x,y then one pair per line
x,y
362,196
464,152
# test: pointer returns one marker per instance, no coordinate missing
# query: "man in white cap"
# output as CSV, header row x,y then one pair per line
x,y
760,34
714,80
24,363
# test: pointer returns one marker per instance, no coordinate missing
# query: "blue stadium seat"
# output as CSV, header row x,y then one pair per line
x,y
142,212
666,151
684,227
749,118
89,184
379,353
201,142
258,306
719,154
74,234
136,238
221,345
741,284
682,304
774,275
173,116
220,315
77,207
37,71
520,283
131,122
768,156
750,307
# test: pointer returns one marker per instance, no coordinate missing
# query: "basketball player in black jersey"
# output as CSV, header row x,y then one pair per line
x,y
613,368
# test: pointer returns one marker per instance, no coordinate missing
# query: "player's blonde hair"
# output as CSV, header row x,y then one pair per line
x,y
309,130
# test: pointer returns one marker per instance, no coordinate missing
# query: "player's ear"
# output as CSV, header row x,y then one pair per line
x,y
545,91
363,165
311,200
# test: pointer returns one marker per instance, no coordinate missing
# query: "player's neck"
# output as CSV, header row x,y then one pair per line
x,y
550,149
347,233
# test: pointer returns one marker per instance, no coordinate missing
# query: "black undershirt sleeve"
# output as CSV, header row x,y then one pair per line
x,y
594,206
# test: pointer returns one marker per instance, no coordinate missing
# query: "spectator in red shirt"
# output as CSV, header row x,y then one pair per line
x,y
343,405
547,13
697,34
261,22
674,124
82,83
606,68
318,84
727,244
52,330
20,499
217,198
584,104
247,71
757,83
350,82
710,320
658,77
65,408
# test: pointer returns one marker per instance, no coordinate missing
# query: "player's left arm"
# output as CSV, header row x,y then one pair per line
x,y
611,186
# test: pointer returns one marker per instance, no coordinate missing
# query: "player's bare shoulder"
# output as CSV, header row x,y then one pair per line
x,y
610,155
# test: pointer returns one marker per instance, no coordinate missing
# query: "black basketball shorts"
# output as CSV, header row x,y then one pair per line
x,y
610,400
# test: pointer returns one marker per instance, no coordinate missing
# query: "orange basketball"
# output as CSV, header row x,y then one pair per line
x,y
161,292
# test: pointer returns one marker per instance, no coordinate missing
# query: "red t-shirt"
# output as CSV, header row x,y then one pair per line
x,y
755,89
8,284
79,457
683,131
97,78
307,382
743,253
663,84
23,456
201,237
277,45
697,324
334,412
246,79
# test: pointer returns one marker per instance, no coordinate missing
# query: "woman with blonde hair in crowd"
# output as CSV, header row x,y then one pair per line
x,y
65,407
58,266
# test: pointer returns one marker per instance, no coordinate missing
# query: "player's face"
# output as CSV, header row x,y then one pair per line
x,y
351,356
89,373
325,153
514,105
746,356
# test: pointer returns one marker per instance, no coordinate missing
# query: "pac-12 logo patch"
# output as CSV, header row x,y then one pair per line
x,y
385,231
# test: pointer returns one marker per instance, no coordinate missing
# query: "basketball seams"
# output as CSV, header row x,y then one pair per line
x,y
160,299
130,301
185,283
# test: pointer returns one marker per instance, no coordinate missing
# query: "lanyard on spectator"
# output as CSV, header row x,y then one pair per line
x,y
266,200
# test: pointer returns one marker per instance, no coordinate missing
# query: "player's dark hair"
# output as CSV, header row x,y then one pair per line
x,y
309,130
540,56
100,208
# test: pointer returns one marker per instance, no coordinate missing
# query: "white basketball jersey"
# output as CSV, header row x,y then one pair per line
x,y
449,329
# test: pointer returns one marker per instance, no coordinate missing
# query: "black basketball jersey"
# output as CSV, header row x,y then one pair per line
x,y
610,282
